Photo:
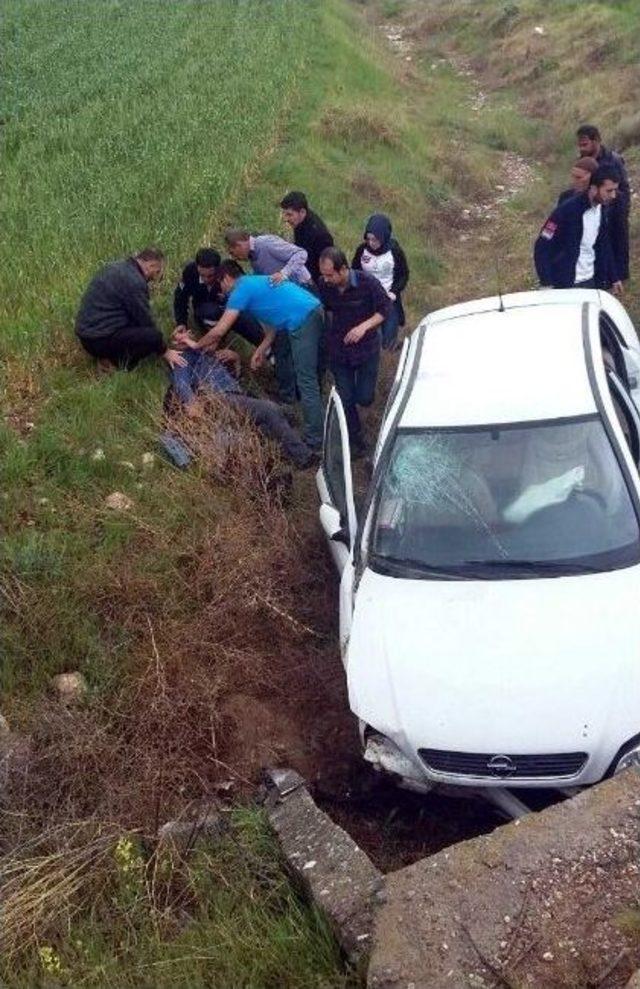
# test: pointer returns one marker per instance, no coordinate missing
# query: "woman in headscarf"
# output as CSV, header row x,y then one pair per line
x,y
381,256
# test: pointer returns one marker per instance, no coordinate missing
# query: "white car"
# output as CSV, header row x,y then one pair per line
x,y
490,579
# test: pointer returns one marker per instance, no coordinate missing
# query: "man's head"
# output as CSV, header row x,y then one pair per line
x,y
334,267
238,243
229,272
581,172
207,263
295,208
151,263
589,141
603,185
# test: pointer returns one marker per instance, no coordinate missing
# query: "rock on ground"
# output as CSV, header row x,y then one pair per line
x,y
69,687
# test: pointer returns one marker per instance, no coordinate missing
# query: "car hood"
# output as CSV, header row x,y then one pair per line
x,y
507,666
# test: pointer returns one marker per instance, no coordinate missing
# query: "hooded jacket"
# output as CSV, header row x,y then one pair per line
x,y
557,247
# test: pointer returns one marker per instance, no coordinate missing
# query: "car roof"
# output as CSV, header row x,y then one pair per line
x,y
481,364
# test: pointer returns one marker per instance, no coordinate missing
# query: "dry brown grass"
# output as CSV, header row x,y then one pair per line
x,y
238,615
355,124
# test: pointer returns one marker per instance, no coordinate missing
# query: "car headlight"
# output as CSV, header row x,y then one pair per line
x,y
629,760
382,753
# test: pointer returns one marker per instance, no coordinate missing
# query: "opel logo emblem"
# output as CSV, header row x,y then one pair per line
x,y
501,765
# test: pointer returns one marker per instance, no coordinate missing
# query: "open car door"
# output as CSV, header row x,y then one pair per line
x,y
335,485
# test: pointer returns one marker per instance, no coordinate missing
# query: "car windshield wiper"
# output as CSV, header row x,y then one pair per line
x,y
543,567
405,567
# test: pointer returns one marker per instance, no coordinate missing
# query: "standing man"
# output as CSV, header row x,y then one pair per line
x,y
309,231
356,306
115,323
573,248
287,310
590,144
200,286
271,255
580,176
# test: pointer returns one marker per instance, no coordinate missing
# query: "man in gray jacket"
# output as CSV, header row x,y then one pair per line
x,y
283,261
115,323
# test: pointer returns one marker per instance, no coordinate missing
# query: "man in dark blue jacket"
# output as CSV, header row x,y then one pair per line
x,y
573,248
200,286
590,143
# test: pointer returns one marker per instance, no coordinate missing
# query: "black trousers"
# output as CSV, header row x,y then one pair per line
x,y
128,346
246,326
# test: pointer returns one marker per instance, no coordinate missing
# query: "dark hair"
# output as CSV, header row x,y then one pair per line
x,y
604,173
588,130
207,258
235,235
150,254
337,257
231,268
294,200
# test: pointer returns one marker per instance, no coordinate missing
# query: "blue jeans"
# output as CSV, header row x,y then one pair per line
x,y
306,342
390,327
356,386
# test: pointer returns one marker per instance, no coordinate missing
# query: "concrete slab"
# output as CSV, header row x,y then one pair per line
x,y
334,872
535,903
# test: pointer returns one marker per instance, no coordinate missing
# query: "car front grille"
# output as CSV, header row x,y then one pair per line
x,y
502,766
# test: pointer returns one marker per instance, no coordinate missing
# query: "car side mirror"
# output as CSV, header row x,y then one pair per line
x,y
342,536
332,524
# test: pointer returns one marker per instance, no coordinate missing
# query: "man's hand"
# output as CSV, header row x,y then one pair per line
x,y
174,358
617,288
277,278
231,358
258,357
354,335
184,339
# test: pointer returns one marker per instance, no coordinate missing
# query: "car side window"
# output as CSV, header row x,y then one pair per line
x,y
612,348
334,464
628,422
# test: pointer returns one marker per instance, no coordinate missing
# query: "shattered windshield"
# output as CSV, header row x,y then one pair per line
x,y
507,501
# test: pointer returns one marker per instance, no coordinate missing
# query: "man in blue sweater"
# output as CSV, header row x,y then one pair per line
x,y
573,249
284,308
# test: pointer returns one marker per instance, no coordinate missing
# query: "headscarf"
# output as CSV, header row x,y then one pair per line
x,y
380,226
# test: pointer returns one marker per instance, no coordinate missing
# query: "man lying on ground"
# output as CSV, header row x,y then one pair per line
x,y
115,323
206,372
285,309
200,287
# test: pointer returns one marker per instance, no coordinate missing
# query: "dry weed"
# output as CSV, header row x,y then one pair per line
x,y
359,124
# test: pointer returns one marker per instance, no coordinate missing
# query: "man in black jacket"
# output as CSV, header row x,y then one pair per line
x,y
115,323
590,143
200,286
573,249
309,231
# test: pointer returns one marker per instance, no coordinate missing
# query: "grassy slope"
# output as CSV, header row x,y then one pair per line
x,y
583,68
84,588
364,131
